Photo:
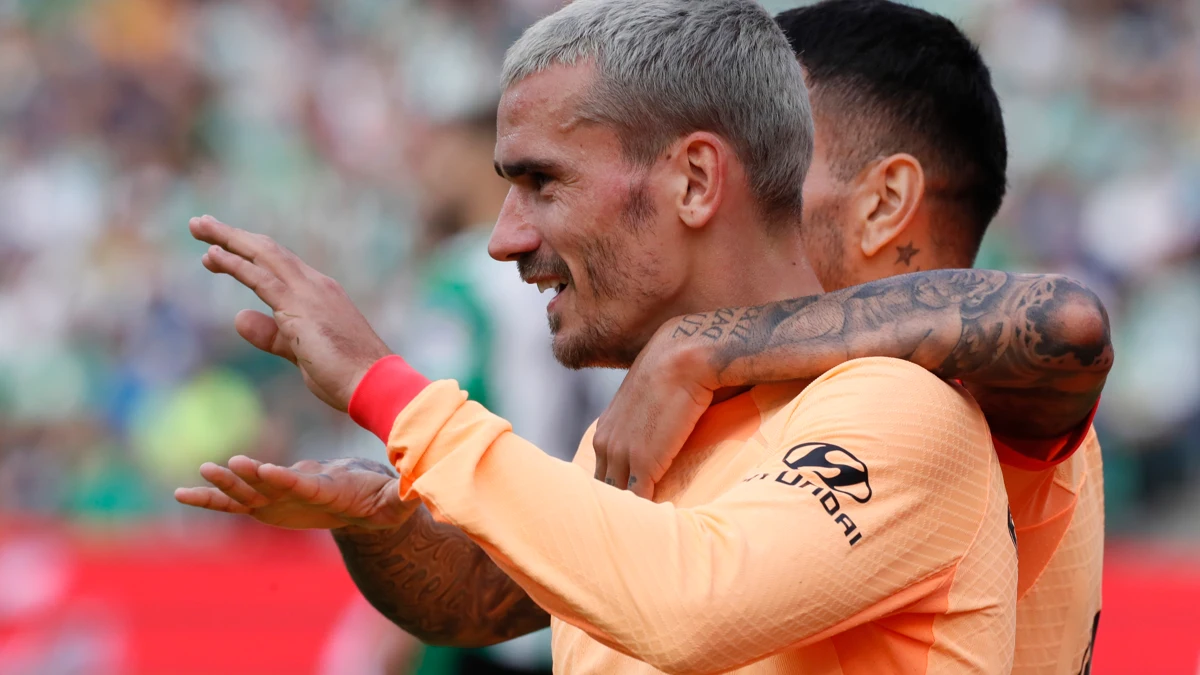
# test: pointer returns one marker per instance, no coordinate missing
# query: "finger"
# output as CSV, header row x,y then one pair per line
x,y
308,466
600,447
264,284
640,485
211,499
228,482
313,488
617,472
601,461
661,437
256,248
245,466
246,469
262,332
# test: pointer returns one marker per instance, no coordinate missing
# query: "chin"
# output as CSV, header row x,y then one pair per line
x,y
592,347
573,354
570,360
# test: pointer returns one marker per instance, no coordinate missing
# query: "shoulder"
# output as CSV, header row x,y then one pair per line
x,y
891,381
893,406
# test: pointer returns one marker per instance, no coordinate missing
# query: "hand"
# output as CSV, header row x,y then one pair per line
x,y
315,326
310,495
658,404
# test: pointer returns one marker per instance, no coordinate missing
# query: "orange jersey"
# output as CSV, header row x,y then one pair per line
x,y
856,525
1059,516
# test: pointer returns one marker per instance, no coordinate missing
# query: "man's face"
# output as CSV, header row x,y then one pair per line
x,y
584,223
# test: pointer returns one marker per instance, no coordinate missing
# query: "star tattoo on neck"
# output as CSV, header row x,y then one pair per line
x,y
906,254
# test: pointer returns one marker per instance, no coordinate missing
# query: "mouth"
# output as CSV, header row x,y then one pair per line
x,y
556,285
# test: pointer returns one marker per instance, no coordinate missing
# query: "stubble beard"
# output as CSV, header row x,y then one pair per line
x,y
823,240
602,342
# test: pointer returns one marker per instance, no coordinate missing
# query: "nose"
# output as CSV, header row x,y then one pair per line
x,y
513,235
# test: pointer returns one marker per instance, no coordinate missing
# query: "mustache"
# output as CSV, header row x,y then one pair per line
x,y
538,264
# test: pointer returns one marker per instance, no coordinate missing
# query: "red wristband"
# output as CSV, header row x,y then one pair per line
x,y
387,388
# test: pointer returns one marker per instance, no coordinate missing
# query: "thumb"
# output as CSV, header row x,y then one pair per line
x,y
261,331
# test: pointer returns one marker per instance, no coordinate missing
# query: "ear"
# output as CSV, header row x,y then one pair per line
x,y
701,163
895,187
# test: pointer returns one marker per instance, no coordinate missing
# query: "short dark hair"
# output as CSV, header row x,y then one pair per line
x,y
903,80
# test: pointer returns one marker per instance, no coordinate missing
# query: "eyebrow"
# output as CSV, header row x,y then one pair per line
x,y
524,167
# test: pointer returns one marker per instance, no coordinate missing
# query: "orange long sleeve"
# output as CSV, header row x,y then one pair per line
x,y
872,494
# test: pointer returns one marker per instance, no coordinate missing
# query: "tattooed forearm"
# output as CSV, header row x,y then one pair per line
x,y
742,326
721,320
689,325
1013,339
434,582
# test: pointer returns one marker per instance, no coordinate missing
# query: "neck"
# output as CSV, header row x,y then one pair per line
x,y
737,270
913,250
774,269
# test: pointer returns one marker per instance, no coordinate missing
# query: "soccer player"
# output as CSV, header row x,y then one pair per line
x,y
908,170
657,150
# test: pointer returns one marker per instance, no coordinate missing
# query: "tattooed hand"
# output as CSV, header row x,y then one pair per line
x,y
426,577
1034,350
309,495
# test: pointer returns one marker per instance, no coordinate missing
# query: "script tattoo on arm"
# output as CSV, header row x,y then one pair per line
x,y
1033,349
434,582
689,325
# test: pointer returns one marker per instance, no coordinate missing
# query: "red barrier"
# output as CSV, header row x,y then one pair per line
x,y
252,600
264,602
1151,617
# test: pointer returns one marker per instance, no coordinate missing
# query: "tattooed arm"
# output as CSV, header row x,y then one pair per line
x,y
434,582
427,577
1033,349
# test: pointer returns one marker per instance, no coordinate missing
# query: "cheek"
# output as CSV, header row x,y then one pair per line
x,y
818,187
559,221
553,219
819,184
579,225
608,239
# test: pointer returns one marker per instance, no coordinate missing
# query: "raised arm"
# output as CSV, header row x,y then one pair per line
x,y
426,577
434,582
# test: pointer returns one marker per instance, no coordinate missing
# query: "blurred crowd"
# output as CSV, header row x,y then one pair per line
x,y
357,133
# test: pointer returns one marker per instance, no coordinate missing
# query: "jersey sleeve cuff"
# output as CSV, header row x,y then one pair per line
x,y
1041,454
387,388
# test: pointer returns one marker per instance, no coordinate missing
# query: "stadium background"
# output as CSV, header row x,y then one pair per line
x,y
310,120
